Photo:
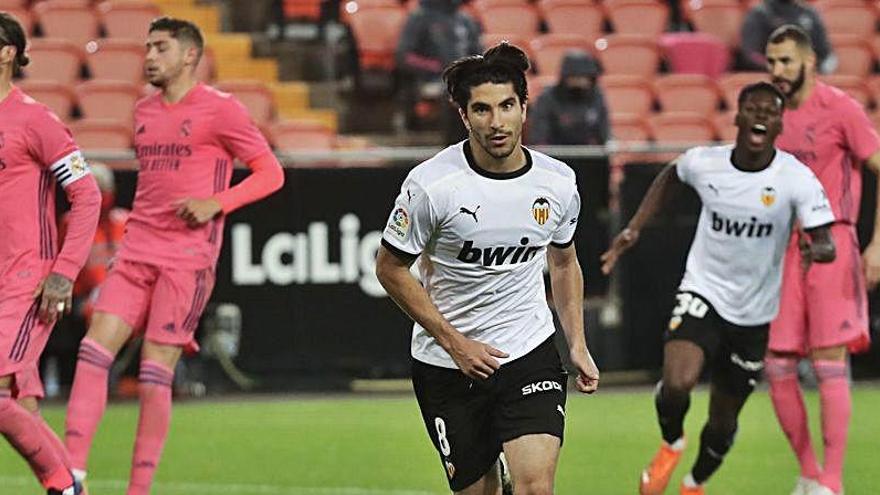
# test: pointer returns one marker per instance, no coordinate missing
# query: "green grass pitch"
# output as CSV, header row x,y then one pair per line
x,y
366,445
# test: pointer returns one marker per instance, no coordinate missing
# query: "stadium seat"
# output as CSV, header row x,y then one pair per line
x,y
55,60
77,24
548,50
581,17
681,127
308,10
627,94
642,17
347,8
23,16
629,127
7,5
854,86
107,99
695,53
376,30
255,96
720,18
854,54
489,40
102,134
725,127
508,16
628,54
302,135
205,71
116,59
687,93
129,20
855,18
539,84
731,84
55,95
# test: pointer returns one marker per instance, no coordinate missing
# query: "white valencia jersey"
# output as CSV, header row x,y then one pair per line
x,y
483,239
744,227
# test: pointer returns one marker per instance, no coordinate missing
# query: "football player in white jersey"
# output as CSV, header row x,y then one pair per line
x,y
753,194
483,217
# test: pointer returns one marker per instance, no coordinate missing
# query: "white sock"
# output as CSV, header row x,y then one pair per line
x,y
689,481
677,445
79,475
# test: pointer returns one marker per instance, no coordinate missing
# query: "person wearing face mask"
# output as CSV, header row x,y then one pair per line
x,y
769,15
573,111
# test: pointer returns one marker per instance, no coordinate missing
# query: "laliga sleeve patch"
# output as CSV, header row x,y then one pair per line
x,y
399,224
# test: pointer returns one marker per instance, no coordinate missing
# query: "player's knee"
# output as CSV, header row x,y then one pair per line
x,y
719,435
534,486
30,404
679,384
109,332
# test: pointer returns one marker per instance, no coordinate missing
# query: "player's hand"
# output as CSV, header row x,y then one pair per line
x,y
871,264
56,297
623,241
806,252
588,373
196,212
475,359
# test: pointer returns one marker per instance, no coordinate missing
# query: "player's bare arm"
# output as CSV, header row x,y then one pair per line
x,y
822,248
567,281
196,212
871,255
474,359
658,194
56,297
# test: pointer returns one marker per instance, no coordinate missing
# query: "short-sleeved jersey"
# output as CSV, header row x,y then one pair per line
x,y
483,238
36,151
185,150
746,220
831,134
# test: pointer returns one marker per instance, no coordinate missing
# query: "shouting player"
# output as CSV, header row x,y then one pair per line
x,y
482,216
36,279
824,311
752,194
186,137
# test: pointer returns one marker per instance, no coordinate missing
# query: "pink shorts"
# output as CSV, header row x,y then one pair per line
x,y
28,384
828,305
165,303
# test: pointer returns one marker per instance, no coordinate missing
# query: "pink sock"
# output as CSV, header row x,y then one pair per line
x,y
155,392
88,400
836,405
18,425
52,438
788,401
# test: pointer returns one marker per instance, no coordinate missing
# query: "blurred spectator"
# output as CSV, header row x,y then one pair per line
x,y
435,34
768,15
573,111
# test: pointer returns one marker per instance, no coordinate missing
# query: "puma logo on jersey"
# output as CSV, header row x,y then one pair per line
x,y
748,228
713,188
545,386
494,256
469,212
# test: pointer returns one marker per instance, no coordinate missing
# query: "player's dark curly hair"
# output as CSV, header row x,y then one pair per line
x,y
11,33
503,63
180,29
759,87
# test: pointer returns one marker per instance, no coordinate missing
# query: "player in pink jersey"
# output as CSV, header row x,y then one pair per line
x,y
186,137
36,279
824,309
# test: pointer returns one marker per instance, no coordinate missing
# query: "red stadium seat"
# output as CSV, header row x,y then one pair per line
x,y
347,8
548,51
129,20
642,17
206,69
309,10
627,94
508,17
854,86
855,18
731,84
725,126
55,95
720,18
117,59
489,40
255,96
628,54
539,84
695,53
23,16
854,54
581,17
687,93
376,30
102,134
107,99
302,135
629,127
77,24
681,127
7,5
55,60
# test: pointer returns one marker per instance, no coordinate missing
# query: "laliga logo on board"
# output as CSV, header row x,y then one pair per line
x,y
768,196
541,210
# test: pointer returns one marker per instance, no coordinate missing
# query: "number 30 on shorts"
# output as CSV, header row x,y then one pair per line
x,y
440,425
687,304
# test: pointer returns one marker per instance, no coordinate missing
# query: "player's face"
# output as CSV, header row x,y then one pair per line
x,y
495,118
788,66
166,58
759,120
